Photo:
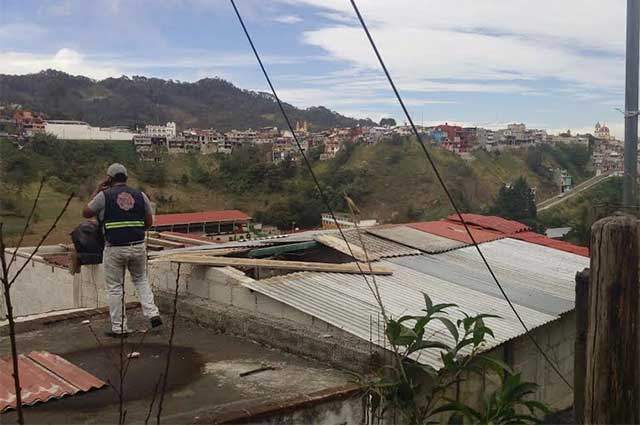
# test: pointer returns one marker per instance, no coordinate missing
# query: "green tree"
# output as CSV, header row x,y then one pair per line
x,y
388,122
516,202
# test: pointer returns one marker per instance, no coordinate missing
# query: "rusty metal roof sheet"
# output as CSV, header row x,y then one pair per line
x,y
456,231
532,237
494,223
43,376
429,243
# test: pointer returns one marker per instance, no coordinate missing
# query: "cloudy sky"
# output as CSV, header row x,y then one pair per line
x,y
554,64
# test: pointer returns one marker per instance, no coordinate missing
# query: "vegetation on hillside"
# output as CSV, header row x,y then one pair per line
x,y
136,101
581,211
516,202
390,181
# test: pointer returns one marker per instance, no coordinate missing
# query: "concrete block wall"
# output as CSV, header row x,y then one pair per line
x,y
42,288
557,338
224,285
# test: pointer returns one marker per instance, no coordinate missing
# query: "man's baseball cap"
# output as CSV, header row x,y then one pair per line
x,y
116,168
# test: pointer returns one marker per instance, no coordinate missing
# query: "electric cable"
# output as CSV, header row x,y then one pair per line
x,y
450,197
295,138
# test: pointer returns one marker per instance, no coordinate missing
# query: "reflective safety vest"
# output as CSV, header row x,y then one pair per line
x,y
124,214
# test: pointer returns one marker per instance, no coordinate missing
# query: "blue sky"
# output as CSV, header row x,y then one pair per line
x,y
555,64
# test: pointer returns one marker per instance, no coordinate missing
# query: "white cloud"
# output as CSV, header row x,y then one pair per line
x,y
288,19
591,24
415,55
185,65
494,46
66,60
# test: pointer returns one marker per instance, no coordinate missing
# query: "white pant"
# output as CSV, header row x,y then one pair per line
x,y
116,260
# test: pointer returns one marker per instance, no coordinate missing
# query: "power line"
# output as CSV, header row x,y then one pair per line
x,y
448,193
295,138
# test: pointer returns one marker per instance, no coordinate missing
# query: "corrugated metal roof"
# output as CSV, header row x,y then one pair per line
x,y
376,247
532,237
456,231
420,240
199,217
43,376
534,276
494,223
539,280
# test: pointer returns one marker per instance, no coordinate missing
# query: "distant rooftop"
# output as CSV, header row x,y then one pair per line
x,y
200,217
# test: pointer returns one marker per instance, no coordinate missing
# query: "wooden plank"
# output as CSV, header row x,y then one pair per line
x,y
344,268
164,243
211,252
181,239
337,243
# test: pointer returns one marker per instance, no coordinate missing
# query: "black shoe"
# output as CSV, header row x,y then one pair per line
x,y
155,321
115,335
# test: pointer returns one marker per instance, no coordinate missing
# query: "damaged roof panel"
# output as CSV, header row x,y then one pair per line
x,y
376,248
494,223
429,243
456,231
43,376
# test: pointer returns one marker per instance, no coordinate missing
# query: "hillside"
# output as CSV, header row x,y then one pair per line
x,y
135,101
581,211
390,181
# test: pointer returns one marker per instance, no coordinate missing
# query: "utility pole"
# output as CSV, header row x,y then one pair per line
x,y
629,192
611,383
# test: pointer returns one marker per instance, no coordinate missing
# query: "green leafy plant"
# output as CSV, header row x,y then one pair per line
x,y
421,394
502,405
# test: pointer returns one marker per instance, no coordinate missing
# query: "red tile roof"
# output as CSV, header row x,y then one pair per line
x,y
455,231
43,376
493,223
532,237
200,217
489,228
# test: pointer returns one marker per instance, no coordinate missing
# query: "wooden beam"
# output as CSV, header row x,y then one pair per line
x,y
343,268
612,382
164,243
181,239
211,252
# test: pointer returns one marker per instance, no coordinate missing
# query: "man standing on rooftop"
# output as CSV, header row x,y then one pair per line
x,y
124,213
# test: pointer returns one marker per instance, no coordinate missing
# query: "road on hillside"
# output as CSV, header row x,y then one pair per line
x,y
554,201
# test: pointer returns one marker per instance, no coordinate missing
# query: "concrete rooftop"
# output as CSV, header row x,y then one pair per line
x,y
204,379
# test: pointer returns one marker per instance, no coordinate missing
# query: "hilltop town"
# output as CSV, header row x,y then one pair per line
x,y
154,140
